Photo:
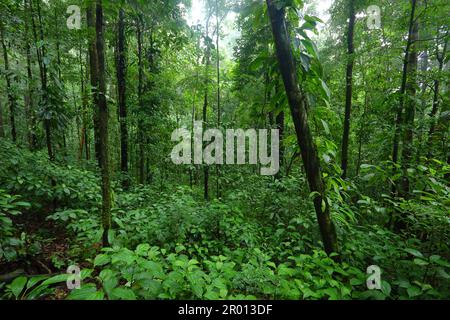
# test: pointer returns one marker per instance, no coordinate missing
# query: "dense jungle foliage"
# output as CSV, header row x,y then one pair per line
x,y
91,92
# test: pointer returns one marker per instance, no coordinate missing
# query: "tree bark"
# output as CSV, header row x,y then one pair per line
x,y
121,83
103,124
92,50
205,106
436,87
2,128
348,88
141,158
31,123
399,118
410,89
11,99
298,106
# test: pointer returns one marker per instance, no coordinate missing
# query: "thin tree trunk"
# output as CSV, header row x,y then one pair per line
x,y
90,14
2,128
32,139
141,177
11,99
205,109
348,88
279,121
121,83
436,87
410,106
399,118
40,52
298,106
218,90
85,105
103,124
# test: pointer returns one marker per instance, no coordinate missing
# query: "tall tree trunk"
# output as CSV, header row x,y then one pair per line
x,y
121,83
141,158
205,107
43,66
31,124
218,90
92,50
410,106
440,58
2,129
348,88
298,106
11,99
279,121
103,123
85,105
399,118
40,53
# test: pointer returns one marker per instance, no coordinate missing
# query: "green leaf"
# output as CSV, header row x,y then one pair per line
x,y
101,260
124,255
413,291
325,126
124,293
86,292
55,279
142,249
420,262
385,288
414,252
17,286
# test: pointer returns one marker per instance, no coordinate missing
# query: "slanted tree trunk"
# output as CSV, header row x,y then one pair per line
x,y
11,99
103,124
298,106
348,88
121,70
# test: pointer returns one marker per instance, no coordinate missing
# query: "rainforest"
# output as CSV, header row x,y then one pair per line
x,y
224,150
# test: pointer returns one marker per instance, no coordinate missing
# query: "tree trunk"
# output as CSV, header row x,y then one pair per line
x,y
85,105
141,175
348,88
31,124
436,87
11,99
218,90
399,118
2,129
205,108
279,121
410,89
103,124
90,14
298,105
121,83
